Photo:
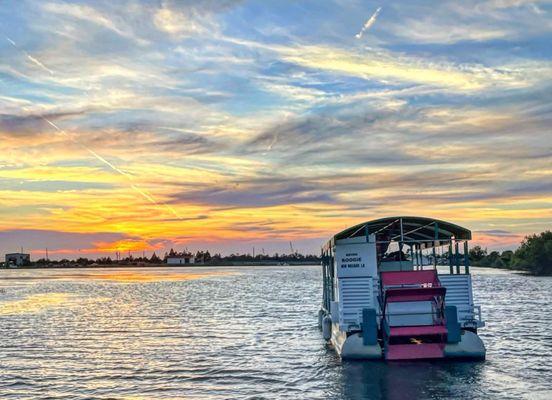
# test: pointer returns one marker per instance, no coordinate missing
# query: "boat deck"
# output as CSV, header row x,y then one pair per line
x,y
413,331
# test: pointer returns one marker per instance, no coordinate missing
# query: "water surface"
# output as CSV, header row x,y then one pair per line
x,y
243,332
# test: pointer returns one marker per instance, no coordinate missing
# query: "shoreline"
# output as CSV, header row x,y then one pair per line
x,y
104,266
515,271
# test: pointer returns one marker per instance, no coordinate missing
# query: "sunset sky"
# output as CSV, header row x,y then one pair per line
x,y
144,125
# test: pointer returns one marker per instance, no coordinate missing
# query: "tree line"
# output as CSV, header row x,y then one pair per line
x,y
534,255
201,257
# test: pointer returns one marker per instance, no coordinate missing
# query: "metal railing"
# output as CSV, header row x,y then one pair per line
x,y
474,311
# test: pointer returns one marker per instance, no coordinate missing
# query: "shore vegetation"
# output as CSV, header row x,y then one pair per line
x,y
534,255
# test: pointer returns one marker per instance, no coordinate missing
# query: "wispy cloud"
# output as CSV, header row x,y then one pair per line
x,y
368,24
31,58
178,24
30,124
134,186
89,14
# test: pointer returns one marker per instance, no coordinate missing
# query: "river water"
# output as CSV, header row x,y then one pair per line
x,y
242,333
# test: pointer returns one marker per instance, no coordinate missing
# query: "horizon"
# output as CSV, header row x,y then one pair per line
x,y
161,252
228,125
36,255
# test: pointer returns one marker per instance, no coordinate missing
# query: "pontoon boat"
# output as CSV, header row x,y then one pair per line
x,y
385,296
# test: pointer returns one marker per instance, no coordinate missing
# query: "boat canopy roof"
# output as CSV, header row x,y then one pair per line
x,y
428,232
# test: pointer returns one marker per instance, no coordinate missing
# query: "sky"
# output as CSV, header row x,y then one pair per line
x,y
226,125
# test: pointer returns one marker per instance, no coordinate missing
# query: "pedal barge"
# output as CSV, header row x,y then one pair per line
x,y
384,296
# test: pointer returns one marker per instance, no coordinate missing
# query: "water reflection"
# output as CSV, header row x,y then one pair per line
x,y
33,303
409,380
143,276
220,333
112,274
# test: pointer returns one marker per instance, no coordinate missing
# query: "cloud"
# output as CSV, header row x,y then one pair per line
x,y
40,239
182,18
451,22
49,185
205,6
423,31
187,143
368,24
253,195
134,186
497,239
31,58
87,14
498,233
31,124
355,188
393,68
177,23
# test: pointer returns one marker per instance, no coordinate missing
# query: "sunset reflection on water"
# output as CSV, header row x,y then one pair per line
x,y
38,302
33,303
214,333
149,276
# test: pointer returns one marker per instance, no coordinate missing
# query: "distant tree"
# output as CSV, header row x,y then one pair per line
x,y
506,257
477,254
83,261
535,254
498,263
489,260
155,259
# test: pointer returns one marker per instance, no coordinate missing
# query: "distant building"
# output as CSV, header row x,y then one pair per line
x,y
180,259
17,259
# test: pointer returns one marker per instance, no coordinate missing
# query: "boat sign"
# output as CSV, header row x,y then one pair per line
x,y
357,259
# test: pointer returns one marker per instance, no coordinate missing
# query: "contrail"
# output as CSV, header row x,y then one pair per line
x,y
44,67
34,60
140,191
113,167
368,24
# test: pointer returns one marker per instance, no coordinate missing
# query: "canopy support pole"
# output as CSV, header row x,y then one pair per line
x,y
450,258
436,240
466,258
457,256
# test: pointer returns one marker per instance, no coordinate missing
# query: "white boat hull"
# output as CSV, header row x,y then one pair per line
x,y
470,346
352,346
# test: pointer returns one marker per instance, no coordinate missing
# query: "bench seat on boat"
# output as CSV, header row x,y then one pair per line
x,y
413,294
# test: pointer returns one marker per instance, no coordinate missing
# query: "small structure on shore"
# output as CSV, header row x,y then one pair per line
x,y
180,259
17,259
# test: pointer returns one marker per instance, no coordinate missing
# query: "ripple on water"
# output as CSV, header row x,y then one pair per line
x,y
218,333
